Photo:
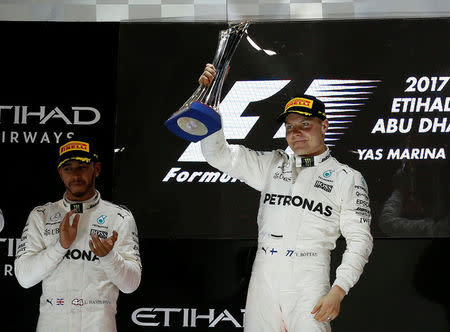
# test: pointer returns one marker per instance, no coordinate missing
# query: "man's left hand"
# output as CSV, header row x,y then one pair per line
x,y
328,306
102,247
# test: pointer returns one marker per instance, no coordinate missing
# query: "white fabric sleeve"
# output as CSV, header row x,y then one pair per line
x,y
34,261
355,227
122,264
236,160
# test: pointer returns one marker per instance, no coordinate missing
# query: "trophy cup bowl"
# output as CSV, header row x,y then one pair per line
x,y
199,117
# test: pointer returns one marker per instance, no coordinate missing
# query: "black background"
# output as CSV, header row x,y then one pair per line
x,y
386,50
198,240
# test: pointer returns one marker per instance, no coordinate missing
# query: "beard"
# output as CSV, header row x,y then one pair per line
x,y
82,188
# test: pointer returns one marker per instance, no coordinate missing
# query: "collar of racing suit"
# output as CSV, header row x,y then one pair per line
x,y
88,204
312,161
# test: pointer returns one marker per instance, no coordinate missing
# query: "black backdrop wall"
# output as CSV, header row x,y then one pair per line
x,y
197,238
58,79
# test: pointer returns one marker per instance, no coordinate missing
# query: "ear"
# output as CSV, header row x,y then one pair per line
x,y
325,125
59,172
97,168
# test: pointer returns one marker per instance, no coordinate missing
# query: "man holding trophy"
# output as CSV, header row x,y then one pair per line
x,y
308,199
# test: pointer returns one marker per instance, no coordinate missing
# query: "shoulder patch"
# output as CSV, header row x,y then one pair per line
x,y
121,210
347,169
282,154
117,206
42,208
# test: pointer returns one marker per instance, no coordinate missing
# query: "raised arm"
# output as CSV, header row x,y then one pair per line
x,y
235,160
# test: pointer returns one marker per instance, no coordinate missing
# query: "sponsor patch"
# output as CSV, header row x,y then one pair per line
x,y
363,182
101,220
327,176
74,146
56,217
281,176
362,202
78,207
328,173
363,212
325,158
302,102
298,201
100,234
323,186
51,231
361,188
99,226
78,302
363,195
307,161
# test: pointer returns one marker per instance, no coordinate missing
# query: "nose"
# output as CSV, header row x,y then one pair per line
x,y
297,130
76,173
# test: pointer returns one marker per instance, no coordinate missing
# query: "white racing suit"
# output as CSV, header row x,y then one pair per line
x,y
306,203
79,289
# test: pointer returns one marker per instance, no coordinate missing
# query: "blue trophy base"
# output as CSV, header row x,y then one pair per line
x,y
194,123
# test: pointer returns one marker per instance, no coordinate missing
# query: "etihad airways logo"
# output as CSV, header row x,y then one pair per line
x,y
343,100
187,317
9,247
74,115
17,120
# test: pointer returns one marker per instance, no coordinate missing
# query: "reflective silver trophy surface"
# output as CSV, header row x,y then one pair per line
x,y
199,117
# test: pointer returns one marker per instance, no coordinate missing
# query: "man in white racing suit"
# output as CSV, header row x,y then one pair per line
x,y
307,201
82,248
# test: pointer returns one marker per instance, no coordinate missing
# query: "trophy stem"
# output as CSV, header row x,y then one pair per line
x,y
228,41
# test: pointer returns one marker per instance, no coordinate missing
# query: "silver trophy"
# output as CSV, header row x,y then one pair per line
x,y
199,117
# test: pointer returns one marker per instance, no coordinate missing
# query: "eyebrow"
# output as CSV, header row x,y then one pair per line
x,y
74,164
291,122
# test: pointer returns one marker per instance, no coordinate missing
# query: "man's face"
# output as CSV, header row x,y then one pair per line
x,y
305,135
79,179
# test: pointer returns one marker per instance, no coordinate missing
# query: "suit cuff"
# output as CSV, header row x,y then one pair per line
x,y
341,284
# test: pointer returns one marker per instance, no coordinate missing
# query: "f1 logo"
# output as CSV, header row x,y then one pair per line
x,y
342,98
231,108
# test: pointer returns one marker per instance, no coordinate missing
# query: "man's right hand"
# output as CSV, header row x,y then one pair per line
x,y
208,75
67,232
